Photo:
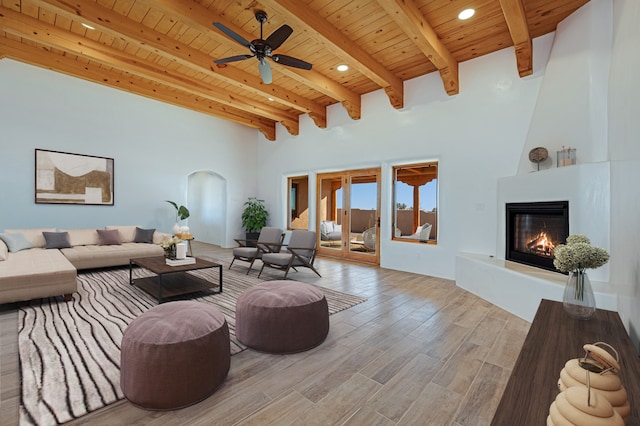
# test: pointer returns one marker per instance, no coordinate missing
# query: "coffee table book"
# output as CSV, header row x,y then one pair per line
x,y
180,262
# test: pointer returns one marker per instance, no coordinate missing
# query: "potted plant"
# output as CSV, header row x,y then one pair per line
x,y
182,213
254,217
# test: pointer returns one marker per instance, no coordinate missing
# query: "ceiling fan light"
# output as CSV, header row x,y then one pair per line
x,y
466,14
342,67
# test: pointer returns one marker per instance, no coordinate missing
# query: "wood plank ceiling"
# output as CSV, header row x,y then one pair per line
x,y
164,49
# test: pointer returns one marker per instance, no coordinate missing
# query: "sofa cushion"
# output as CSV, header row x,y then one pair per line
x,y
127,233
33,235
326,227
35,273
108,237
159,237
4,251
56,240
95,256
82,237
144,235
15,241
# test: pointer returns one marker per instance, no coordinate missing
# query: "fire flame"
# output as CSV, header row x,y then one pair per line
x,y
541,245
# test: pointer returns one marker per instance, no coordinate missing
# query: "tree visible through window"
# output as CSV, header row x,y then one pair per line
x,y
415,202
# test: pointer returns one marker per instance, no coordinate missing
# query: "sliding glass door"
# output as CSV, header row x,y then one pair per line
x,y
348,214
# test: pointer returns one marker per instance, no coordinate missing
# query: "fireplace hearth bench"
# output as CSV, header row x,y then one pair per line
x,y
553,339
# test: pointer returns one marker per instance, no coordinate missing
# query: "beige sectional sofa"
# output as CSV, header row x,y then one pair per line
x,y
38,272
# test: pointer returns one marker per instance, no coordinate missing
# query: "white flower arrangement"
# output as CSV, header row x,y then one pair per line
x,y
578,254
169,244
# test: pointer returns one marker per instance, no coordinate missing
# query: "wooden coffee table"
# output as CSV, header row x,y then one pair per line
x,y
171,281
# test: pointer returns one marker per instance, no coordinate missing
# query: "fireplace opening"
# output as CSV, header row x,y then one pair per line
x,y
534,230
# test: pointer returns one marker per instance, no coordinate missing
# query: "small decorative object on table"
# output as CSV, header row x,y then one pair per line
x,y
598,370
575,257
182,213
169,247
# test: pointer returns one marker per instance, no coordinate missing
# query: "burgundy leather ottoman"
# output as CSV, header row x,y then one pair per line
x,y
282,317
174,355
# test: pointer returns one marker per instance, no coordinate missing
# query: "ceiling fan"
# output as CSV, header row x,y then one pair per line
x,y
263,49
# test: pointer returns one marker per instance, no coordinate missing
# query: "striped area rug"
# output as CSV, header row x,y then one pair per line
x,y
70,351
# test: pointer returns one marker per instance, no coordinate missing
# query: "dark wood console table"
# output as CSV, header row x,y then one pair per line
x,y
553,339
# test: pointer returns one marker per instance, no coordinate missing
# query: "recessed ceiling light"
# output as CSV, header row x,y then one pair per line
x,y
87,26
270,99
466,14
342,67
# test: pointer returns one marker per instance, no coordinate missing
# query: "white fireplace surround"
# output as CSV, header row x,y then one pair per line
x,y
519,288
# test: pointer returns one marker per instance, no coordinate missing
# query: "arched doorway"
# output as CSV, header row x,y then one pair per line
x,y
206,199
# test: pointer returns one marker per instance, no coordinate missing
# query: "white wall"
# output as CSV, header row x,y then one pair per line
x,y
155,147
571,110
624,151
477,137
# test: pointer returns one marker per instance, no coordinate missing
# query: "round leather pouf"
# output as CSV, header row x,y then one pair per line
x,y
282,317
174,355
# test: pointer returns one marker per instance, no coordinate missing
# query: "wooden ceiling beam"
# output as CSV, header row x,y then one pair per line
x,y
33,29
352,104
516,18
341,46
200,18
410,19
43,58
120,26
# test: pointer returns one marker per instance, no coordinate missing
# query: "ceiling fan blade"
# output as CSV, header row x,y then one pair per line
x,y
230,33
291,62
233,59
279,36
265,71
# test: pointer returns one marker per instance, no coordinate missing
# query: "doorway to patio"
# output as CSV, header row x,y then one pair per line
x,y
348,214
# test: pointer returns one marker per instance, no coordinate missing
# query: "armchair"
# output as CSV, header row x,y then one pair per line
x,y
269,241
300,252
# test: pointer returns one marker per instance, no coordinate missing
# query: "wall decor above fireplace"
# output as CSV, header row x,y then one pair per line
x,y
534,229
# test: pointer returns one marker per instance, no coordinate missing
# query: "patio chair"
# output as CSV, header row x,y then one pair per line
x,y
369,239
300,252
269,241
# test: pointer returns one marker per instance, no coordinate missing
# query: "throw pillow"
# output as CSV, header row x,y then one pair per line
x,y
56,240
108,237
144,235
33,235
15,241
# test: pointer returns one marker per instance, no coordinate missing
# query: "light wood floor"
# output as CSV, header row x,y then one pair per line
x,y
419,351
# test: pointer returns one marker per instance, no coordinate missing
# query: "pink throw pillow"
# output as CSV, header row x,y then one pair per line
x,y
108,237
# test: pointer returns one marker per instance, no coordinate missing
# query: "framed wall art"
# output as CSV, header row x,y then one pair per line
x,y
65,178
